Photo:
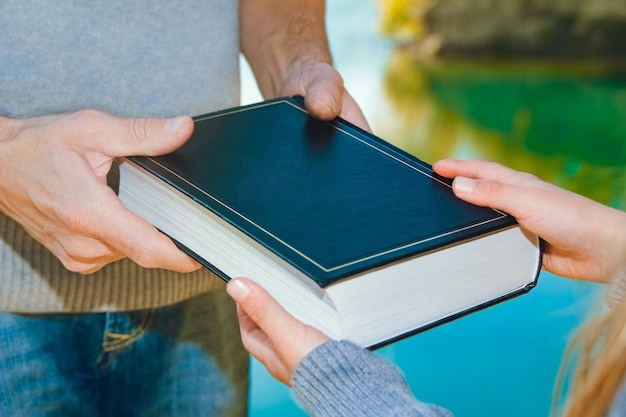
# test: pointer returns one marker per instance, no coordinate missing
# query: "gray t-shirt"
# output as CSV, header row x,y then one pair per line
x,y
160,59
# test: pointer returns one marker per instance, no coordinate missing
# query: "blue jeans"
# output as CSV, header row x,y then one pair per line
x,y
180,360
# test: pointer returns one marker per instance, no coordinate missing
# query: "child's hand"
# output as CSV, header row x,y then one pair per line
x,y
270,333
583,239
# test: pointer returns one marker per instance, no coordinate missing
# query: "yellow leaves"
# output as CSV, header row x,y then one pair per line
x,y
403,20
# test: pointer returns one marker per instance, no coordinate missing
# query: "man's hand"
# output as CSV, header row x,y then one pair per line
x,y
286,45
53,183
324,94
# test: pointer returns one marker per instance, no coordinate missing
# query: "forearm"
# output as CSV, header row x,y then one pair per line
x,y
603,235
278,36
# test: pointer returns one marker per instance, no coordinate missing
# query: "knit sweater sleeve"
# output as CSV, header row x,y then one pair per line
x,y
341,379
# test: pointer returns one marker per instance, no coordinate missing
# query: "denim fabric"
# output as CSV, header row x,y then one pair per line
x,y
181,360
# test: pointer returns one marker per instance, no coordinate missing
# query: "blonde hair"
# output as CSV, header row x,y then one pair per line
x,y
599,353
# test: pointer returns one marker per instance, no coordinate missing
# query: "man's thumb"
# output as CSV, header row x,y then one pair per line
x,y
148,136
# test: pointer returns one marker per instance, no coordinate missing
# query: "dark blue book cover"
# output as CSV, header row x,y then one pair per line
x,y
329,198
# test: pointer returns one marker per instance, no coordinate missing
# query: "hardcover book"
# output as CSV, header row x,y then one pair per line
x,y
349,233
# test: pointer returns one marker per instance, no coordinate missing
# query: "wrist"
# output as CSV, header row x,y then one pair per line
x,y
621,243
616,291
278,67
280,38
617,242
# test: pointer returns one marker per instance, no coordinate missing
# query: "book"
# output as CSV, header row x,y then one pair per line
x,y
349,233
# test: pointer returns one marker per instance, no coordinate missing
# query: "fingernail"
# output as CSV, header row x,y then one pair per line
x,y
238,290
173,124
464,185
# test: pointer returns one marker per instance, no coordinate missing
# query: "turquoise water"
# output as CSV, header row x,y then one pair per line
x,y
501,361
565,123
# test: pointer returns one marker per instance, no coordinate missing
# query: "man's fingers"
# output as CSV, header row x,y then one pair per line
x,y
325,96
322,97
322,89
82,255
351,112
139,240
117,136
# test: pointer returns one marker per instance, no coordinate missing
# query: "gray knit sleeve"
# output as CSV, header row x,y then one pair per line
x,y
341,379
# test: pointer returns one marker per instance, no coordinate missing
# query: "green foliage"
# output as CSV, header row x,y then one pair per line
x,y
565,123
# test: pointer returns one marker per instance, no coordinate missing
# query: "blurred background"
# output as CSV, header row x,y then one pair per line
x,y
538,85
